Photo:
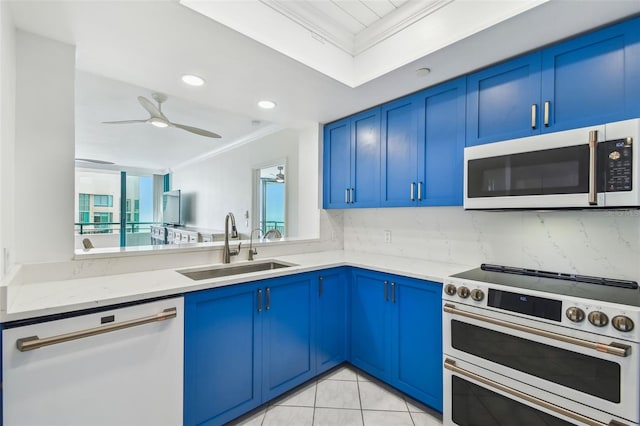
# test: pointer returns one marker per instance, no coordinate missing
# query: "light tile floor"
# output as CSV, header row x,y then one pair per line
x,y
342,397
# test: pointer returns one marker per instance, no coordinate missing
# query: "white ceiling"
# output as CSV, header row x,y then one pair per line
x,y
355,41
136,47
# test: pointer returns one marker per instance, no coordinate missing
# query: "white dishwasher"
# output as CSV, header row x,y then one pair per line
x,y
117,367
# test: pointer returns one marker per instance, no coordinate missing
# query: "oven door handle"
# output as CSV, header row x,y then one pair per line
x,y
612,348
450,365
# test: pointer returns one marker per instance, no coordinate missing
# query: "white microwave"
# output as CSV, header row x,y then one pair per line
x,y
589,167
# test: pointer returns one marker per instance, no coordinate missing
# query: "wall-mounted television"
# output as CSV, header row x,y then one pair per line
x,y
171,208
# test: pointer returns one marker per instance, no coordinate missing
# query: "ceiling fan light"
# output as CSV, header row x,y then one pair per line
x,y
193,80
158,122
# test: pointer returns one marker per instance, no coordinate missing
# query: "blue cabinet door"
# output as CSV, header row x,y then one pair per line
x,y
500,101
370,323
331,318
441,151
399,143
222,353
592,79
365,159
337,164
417,344
287,333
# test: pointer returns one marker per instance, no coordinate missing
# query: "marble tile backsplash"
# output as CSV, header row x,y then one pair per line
x,y
603,243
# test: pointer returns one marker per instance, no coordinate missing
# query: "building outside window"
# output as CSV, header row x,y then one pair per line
x,y
84,204
103,200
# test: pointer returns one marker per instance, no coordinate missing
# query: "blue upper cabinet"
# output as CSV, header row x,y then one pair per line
x,y
503,101
441,131
400,146
422,147
352,161
588,80
337,164
592,79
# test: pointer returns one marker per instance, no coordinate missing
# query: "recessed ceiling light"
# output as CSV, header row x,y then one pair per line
x,y
267,104
421,72
192,80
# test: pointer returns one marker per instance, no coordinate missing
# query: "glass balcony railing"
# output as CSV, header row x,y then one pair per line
x,y
89,228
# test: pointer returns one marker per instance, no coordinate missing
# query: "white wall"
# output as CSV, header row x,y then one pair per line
x,y
7,134
224,183
44,149
601,243
310,170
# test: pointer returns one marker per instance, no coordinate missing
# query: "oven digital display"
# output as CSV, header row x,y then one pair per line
x,y
525,304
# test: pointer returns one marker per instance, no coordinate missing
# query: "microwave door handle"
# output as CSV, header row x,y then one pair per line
x,y
593,143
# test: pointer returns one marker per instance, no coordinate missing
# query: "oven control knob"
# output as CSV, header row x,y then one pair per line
x,y
622,323
575,314
463,292
450,289
599,319
477,294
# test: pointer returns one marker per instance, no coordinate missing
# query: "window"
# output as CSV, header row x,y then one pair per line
x,y
103,200
271,207
83,207
102,220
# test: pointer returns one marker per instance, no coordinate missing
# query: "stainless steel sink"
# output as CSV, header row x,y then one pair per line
x,y
226,270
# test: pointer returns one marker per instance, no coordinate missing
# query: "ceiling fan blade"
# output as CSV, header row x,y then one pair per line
x,y
150,107
197,131
124,122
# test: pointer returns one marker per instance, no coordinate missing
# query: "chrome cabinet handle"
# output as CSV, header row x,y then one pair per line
x,y
351,197
346,195
617,349
547,106
386,291
259,300
34,342
320,281
450,365
268,297
419,191
593,145
393,292
413,187
534,115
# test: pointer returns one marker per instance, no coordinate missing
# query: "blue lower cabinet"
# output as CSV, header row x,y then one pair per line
x,y
417,340
244,345
287,332
371,323
396,333
222,354
332,290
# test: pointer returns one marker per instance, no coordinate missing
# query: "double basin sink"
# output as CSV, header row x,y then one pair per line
x,y
227,270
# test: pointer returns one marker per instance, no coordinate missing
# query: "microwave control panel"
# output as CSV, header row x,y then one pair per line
x,y
615,166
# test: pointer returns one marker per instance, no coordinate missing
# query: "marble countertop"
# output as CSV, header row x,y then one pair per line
x,y
31,300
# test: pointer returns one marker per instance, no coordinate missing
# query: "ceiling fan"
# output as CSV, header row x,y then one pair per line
x,y
158,119
279,177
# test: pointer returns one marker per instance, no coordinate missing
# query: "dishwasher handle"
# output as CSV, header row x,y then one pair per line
x,y
34,342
